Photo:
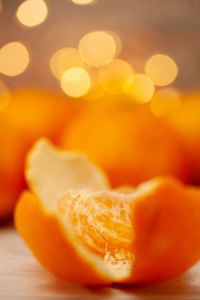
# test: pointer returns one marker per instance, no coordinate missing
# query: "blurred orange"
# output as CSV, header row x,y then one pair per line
x,y
29,115
129,143
186,121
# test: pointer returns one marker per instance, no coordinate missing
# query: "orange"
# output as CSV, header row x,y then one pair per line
x,y
186,121
83,232
30,115
129,143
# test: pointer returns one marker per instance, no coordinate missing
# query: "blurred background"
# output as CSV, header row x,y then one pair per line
x,y
144,27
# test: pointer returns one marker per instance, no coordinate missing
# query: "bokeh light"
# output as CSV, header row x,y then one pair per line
x,y
5,96
162,69
32,13
84,2
165,101
118,42
113,76
64,59
140,88
76,82
14,59
97,48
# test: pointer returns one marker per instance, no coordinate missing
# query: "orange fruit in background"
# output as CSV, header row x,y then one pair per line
x,y
129,143
29,115
186,121
92,235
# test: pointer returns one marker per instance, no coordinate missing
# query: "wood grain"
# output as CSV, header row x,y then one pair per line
x,y
21,277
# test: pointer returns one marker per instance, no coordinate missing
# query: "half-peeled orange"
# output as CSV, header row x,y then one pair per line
x,y
83,232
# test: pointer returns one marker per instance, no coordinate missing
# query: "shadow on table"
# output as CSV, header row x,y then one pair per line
x,y
6,223
75,291
178,288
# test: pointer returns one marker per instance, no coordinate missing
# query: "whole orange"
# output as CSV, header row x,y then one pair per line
x,y
128,142
29,115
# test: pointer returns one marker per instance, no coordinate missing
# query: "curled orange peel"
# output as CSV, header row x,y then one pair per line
x,y
82,231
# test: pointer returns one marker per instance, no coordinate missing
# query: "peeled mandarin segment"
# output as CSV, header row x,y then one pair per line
x,y
99,218
74,207
166,221
96,221
111,215
54,246
50,172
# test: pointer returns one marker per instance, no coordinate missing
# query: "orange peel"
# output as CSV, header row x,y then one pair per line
x,y
83,232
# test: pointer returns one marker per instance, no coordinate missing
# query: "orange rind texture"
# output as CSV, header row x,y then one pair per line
x,y
83,232
129,143
51,172
31,114
53,246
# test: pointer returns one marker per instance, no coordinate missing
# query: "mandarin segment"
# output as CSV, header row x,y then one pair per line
x,y
74,207
119,261
113,231
102,218
111,215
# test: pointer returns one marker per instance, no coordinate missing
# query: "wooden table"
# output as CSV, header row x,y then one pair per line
x,y
21,277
